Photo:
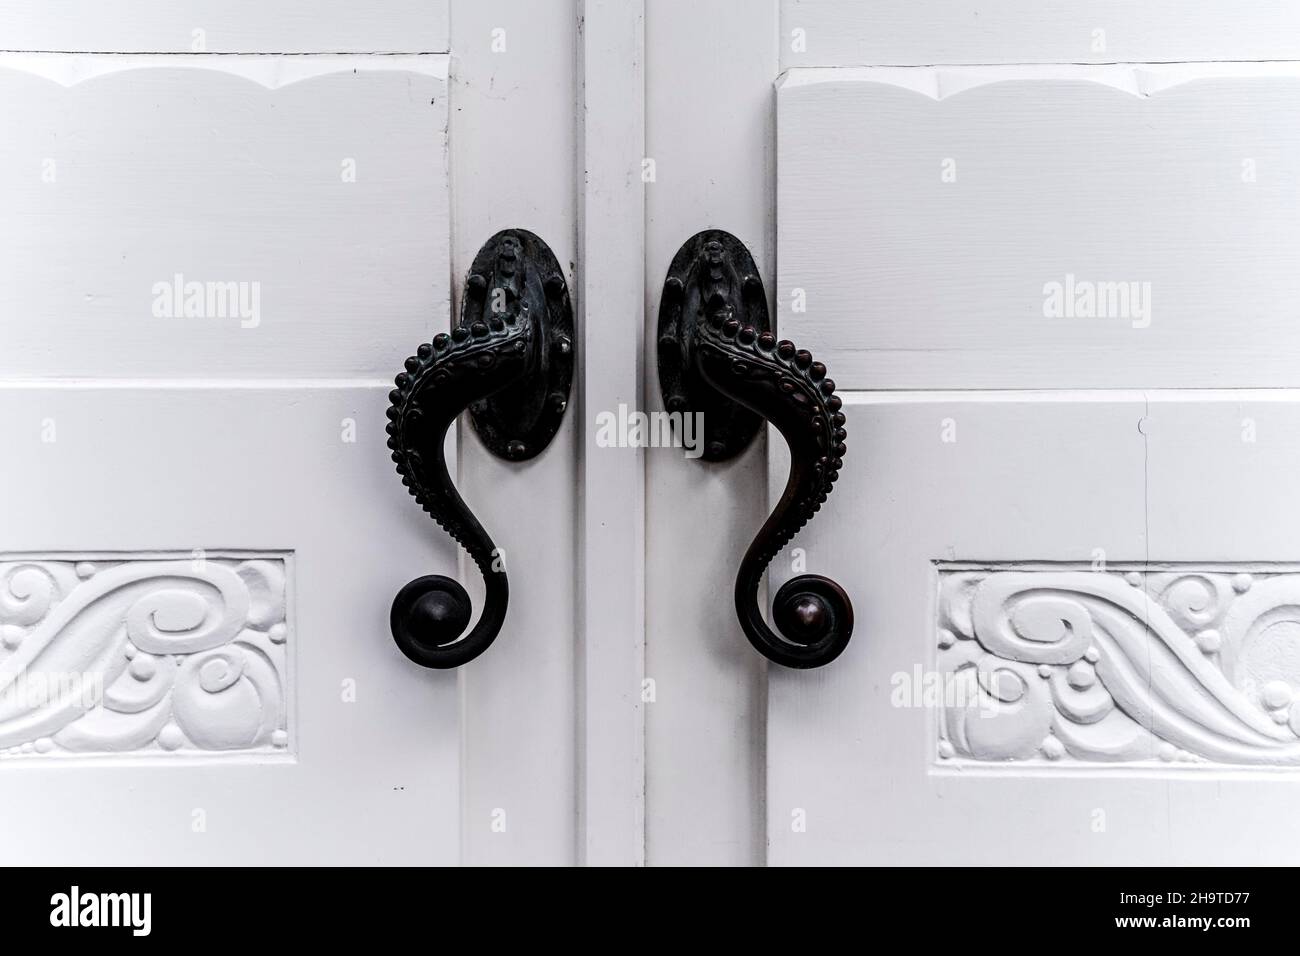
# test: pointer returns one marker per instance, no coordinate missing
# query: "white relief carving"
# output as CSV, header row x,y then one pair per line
x,y
1183,665
149,657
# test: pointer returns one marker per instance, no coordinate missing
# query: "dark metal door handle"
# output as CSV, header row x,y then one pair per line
x,y
510,362
718,357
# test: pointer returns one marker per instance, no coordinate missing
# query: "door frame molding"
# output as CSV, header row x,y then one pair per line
x,y
611,508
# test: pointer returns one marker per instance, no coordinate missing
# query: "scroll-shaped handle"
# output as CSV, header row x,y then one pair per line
x,y
510,362
718,356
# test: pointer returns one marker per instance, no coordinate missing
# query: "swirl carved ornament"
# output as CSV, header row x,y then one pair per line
x,y
143,657
1176,665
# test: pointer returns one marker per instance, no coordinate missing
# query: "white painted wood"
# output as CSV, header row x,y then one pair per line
x,y
1181,526
905,32
611,515
513,130
710,134
256,182
1105,173
317,184
225,26
146,468
928,216
1224,456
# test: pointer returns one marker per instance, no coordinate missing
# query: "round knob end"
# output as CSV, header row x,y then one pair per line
x,y
438,617
428,614
815,618
803,618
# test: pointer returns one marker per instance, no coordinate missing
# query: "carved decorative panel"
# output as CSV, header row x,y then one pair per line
x,y
143,656
1158,665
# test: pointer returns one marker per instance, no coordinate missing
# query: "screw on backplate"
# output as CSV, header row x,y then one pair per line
x,y
717,449
516,449
559,402
562,345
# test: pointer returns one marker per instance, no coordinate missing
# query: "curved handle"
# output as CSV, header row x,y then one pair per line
x,y
786,387
715,312
510,362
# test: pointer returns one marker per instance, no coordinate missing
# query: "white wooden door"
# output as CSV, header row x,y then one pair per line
x,y
202,529
1057,298
1055,293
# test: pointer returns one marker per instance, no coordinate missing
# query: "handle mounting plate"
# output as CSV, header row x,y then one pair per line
x,y
713,265
514,273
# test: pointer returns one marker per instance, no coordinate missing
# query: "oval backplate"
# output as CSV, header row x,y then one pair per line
x,y
712,263
516,271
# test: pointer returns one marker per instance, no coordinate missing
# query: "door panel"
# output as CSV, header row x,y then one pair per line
x,y
1042,227
1074,624
906,33
296,223
994,227
319,187
225,26
1067,650
221,560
